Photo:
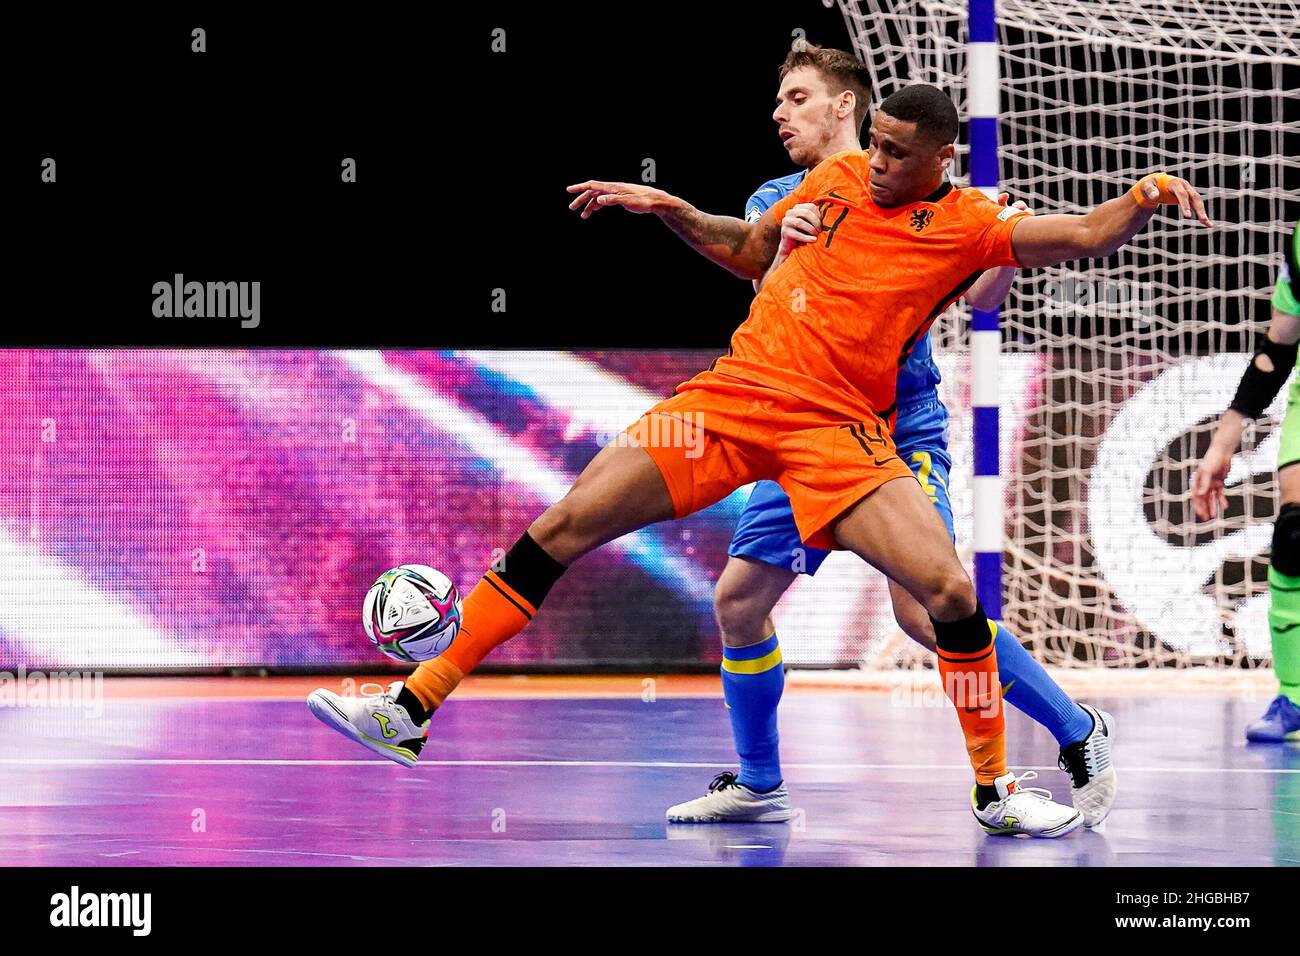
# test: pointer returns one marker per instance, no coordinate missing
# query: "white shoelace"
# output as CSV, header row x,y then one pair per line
x,y
381,690
1041,793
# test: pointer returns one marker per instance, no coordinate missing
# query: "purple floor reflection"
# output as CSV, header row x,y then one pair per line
x,y
586,781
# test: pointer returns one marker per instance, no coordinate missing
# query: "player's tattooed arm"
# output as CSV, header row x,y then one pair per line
x,y
1049,240
746,249
743,248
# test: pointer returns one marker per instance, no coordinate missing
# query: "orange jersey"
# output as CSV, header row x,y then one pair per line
x,y
834,322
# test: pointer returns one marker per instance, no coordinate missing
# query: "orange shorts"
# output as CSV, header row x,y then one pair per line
x,y
717,435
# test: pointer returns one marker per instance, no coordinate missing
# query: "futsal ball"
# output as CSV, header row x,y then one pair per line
x,y
412,613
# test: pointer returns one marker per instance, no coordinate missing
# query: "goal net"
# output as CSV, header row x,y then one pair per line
x,y
1114,370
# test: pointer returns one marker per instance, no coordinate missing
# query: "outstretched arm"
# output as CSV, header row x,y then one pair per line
x,y
743,248
1048,240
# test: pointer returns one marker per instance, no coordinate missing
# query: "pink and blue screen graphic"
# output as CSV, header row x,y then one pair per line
x,y
165,509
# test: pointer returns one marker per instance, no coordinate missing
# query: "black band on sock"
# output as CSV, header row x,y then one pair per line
x,y
966,636
406,698
529,570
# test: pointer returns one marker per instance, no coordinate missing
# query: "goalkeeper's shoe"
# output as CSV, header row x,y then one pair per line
x,y
730,802
1027,810
1281,722
376,721
1092,777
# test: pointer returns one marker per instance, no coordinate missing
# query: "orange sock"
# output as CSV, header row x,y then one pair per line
x,y
970,679
433,680
491,614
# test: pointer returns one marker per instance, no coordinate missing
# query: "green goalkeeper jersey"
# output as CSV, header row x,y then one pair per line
x,y
1285,301
1285,298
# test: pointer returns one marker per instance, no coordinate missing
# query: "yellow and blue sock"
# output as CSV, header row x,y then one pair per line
x,y
752,682
1031,690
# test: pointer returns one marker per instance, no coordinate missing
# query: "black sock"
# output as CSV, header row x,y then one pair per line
x,y
985,793
413,706
526,568
964,636
529,570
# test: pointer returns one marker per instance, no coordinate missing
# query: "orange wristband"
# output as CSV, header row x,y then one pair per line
x,y
1162,183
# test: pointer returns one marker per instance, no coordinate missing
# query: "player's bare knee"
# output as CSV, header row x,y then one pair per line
x,y
559,530
951,596
740,615
735,612
549,527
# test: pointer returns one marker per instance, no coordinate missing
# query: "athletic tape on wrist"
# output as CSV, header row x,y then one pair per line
x,y
1162,183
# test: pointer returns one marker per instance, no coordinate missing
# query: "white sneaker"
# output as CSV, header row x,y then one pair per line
x,y
373,720
731,802
1025,809
1092,778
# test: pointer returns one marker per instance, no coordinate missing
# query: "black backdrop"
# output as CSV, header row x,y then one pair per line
x,y
224,166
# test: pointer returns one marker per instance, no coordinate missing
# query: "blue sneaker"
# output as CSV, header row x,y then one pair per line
x,y
1282,722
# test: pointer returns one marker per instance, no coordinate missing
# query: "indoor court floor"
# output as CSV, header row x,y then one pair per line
x,y
575,771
